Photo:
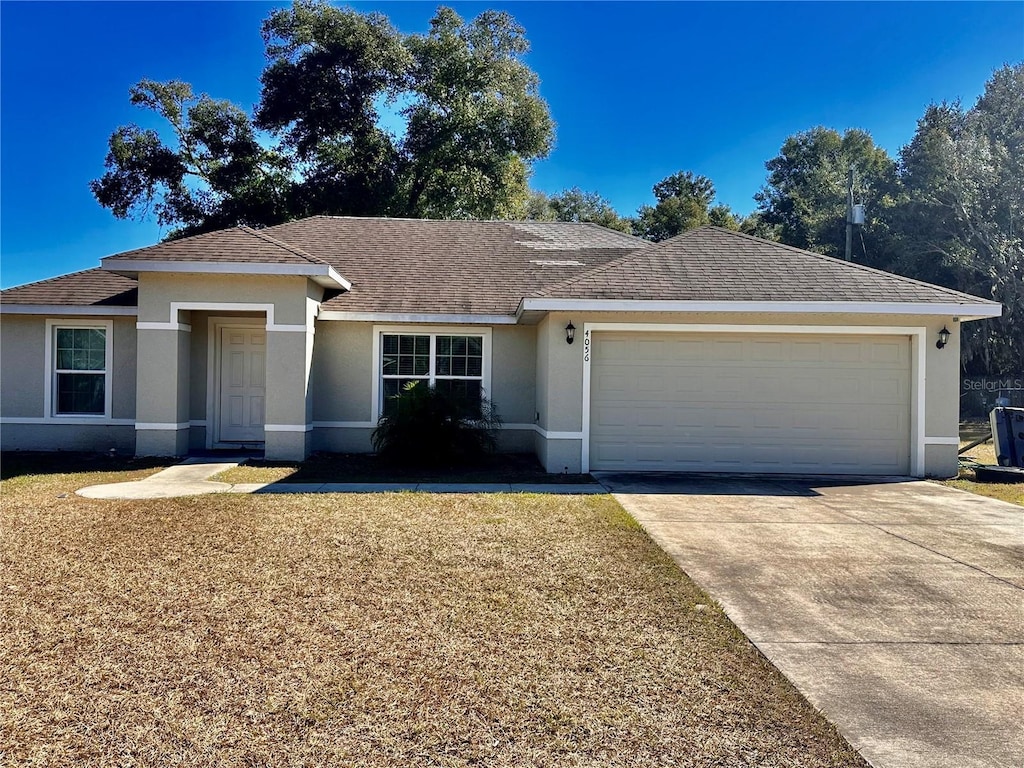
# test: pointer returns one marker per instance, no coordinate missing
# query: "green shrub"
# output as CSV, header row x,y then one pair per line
x,y
424,427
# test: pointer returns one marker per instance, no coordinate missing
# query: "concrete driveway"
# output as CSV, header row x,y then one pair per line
x,y
897,608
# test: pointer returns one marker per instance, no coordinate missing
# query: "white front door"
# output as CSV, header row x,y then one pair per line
x,y
242,384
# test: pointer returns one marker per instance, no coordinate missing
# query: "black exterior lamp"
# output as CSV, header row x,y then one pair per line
x,y
943,338
570,332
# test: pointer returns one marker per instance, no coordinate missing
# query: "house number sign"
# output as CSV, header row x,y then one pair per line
x,y
586,346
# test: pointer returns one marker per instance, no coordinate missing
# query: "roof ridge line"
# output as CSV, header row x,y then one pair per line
x,y
282,244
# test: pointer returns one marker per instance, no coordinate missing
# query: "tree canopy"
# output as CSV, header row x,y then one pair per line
x,y
575,205
317,142
684,202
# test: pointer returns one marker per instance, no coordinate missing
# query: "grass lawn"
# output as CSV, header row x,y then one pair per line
x,y
358,630
983,454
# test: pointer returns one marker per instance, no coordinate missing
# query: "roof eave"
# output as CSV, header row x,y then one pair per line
x,y
322,274
962,310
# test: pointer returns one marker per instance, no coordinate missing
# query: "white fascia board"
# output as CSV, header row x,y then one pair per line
x,y
963,311
67,310
324,274
410,317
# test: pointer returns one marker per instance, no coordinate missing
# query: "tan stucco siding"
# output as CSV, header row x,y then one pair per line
x,y
157,291
342,372
25,368
25,371
514,373
22,339
125,365
199,365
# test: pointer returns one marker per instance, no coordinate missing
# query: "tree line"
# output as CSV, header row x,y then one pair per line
x,y
948,209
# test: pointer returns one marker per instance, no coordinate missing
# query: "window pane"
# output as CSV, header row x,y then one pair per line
x,y
476,345
389,364
444,345
465,392
423,345
458,345
390,344
458,366
444,366
80,393
407,345
422,366
474,367
81,349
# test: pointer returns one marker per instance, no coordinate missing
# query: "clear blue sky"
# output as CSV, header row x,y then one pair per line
x,y
638,91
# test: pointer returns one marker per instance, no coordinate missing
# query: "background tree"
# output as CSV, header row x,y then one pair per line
x,y
474,122
960,222
805,195
684,202
219,175
575,205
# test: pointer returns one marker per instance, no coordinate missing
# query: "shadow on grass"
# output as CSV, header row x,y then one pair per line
x,y
368,468
19,463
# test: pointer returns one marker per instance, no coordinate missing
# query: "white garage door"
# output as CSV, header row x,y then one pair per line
x,y
750,403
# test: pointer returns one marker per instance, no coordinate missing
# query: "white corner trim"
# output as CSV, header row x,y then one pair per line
x,y
964,311
917,336
942,441
58,309
68,421
412,317
321,273
147,326
160,426
289,328
287,427
344,424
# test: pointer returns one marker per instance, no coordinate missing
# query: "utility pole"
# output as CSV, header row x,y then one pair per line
x,y
849,214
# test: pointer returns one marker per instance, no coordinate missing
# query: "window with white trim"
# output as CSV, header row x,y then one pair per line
x,y
451,363
80,370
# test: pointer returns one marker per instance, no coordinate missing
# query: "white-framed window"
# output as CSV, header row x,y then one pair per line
x,y
78,360
455,361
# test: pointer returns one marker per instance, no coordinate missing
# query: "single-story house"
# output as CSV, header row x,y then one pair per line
x,y
713,351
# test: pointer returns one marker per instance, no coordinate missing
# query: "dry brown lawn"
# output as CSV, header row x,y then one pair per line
x,y
406,629
984,454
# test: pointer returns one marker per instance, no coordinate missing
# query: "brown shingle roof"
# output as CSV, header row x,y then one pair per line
x,y
485,267
236,245
92,287
461,267
714,264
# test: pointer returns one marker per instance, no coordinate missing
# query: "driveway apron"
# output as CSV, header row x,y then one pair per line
x,y
895,607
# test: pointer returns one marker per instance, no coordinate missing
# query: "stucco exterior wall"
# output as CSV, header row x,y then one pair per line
x,y
562,367
23,377
343,373
177,312
158,290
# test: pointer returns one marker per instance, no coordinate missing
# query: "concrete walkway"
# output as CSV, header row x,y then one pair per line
x,y
896,608
190,478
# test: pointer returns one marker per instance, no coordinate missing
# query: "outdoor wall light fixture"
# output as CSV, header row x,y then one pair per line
x,y
570,332
943,338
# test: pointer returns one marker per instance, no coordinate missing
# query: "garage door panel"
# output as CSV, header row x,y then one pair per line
x,y
724,402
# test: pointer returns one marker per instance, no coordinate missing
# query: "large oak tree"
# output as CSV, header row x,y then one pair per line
x,y
471,123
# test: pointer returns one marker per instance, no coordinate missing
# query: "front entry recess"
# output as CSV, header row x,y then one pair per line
x,y
242,385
